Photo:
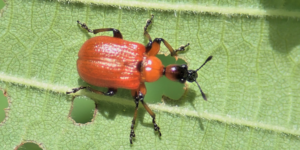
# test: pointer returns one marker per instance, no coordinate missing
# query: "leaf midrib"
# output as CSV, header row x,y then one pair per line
x,y
158,107
254,12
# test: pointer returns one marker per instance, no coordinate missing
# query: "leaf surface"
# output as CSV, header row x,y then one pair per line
x,y
252,82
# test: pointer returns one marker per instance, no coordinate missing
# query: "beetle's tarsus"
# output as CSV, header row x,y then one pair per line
x,y
149,21
74,90
182,48
156,127
83,25
132,135
146,34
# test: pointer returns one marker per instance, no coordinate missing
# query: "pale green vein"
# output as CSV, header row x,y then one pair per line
x,y
250,139
206,130
225,136
258,72
158,107
256,12
224,119
33,83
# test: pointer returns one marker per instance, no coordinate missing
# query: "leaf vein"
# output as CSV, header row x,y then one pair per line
x,y
158,107
224,10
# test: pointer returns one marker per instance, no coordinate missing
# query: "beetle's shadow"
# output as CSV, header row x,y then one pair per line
x,y
189,96
109,108
107,105
283,32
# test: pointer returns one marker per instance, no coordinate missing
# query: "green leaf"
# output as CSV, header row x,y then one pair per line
x,y
252,82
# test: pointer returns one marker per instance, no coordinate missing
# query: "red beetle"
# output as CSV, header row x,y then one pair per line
x,y
116,63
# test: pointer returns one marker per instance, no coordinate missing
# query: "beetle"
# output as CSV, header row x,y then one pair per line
x,y
114,63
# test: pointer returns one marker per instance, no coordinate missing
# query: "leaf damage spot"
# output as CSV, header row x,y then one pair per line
x,y
5,93
2,5
188,96
32,145
164,86
83,111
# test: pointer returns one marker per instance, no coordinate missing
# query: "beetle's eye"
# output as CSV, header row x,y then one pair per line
x,y
184,66
182,80
192,76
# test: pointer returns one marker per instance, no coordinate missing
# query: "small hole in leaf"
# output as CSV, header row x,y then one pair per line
x,y
164,86
29,146
83,110
3,105
2,4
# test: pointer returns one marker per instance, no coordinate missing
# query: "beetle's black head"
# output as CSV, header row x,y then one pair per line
x,y
192,76
182,74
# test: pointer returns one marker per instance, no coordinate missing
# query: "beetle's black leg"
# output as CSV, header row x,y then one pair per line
x,y
76,89
116,32
146,34
154,47
140,98
181,48
110,91
132,134
151,113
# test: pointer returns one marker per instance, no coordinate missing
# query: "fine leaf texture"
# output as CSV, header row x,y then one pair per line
x,y
252,82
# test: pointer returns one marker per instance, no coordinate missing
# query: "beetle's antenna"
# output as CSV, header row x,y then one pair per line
x,y
203,95
208,59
